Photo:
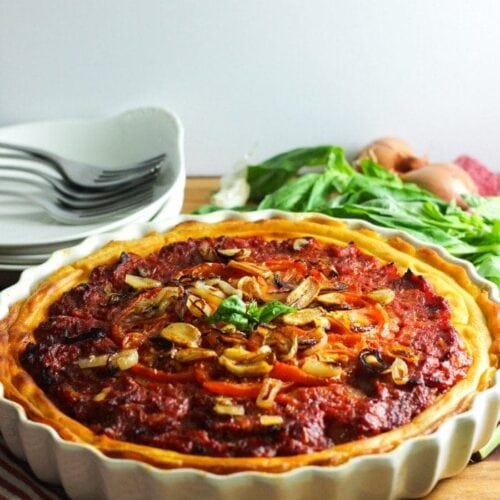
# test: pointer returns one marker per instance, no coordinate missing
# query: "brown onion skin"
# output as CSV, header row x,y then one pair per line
x,y
392,153
446,180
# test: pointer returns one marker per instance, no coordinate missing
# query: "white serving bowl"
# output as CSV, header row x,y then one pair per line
x,y
410,470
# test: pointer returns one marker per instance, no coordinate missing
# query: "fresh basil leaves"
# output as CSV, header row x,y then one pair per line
x,y
245,317
286,182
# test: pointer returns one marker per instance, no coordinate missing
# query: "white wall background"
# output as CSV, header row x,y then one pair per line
x,y
272,73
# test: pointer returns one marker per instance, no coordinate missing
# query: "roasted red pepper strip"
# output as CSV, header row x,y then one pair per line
x,y
286,264
290,373
234,390
161,376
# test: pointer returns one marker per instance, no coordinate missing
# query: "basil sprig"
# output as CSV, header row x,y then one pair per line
x,y
246,317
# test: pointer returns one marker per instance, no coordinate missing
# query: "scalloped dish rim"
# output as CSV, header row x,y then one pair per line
x,y
476,415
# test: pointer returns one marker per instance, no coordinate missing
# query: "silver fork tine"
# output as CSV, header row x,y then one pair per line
x,y
127,204
78,194
146,171
89,176
105,204
155,161
53,157
70,216
140,196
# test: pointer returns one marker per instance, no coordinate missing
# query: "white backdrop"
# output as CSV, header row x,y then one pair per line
x,y
263,75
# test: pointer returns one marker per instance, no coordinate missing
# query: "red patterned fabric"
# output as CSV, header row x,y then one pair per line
x,y
487,181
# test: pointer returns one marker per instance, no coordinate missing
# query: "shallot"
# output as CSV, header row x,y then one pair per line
x,y
446,180
392,153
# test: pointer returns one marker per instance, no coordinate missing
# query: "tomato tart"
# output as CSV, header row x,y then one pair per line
x,y
251,345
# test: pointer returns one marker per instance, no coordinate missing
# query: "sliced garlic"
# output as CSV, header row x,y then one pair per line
x,y
319,369
312,340
94,361
333,299
126,359
239,353
302,317
372,361
399,371
237,253
101,396
158,303
383,296
243,363
225,406
183,334
300,243
214,296
227,288
269,420
206,251
332,357
304,294
250,287
250,268
209,288
283,342
123,360
140,283
197,306
193,354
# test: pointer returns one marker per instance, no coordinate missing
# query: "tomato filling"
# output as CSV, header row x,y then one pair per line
x,y
247,347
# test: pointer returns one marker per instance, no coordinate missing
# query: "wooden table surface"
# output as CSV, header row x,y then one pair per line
x,y
481,480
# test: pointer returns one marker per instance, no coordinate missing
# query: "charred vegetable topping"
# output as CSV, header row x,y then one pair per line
x,y
221,339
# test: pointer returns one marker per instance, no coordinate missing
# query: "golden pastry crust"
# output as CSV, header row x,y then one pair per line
x,y
474,315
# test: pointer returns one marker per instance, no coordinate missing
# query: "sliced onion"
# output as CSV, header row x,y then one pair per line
x,y
139,283
268,392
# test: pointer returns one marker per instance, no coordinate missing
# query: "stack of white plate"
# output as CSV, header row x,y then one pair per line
x,y
28,235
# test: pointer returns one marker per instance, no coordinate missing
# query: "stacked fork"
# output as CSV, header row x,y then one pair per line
x,y
79,193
